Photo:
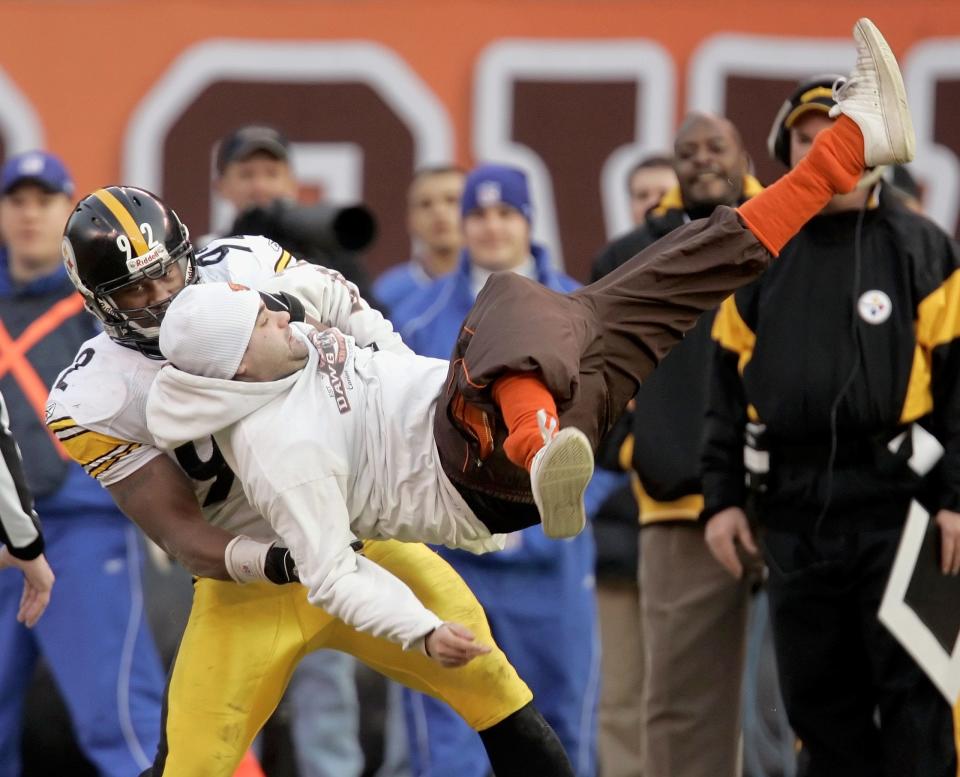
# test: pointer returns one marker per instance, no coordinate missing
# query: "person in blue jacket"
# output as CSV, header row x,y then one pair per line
x,y
538,593
94,634
433,221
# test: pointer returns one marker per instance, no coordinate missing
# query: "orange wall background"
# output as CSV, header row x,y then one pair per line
x,y
84,65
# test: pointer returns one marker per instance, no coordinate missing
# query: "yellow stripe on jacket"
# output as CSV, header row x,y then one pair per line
x,y
686,508
938,323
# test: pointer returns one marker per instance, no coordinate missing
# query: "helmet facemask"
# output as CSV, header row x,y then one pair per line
x,y
119,237
140,326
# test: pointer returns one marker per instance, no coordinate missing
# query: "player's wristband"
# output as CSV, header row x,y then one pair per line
x,y
250,561
245,559
26,552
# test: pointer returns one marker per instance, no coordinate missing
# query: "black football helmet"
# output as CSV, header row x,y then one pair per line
x,y
115,238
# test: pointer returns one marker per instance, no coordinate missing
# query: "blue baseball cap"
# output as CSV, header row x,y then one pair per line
x,y
494,184
39,167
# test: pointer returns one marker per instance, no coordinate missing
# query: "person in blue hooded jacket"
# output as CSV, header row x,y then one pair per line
x,y
538,593
94,635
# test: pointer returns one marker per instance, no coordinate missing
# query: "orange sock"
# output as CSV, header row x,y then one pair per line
x,y
249,766
833,166
519,396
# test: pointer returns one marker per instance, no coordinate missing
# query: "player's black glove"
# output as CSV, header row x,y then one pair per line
x,y
279,566
281,300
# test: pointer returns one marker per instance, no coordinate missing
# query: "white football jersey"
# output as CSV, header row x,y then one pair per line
x,y
97,406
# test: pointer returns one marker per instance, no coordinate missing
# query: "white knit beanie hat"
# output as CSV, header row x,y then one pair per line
x,y
207,327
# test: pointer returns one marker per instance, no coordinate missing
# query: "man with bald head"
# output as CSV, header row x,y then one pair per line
x,y
692,614
711,167
710,163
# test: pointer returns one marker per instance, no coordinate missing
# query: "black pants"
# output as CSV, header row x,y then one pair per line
x,y
841,671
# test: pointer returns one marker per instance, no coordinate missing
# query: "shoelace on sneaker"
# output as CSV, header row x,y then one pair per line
x,y
839,88
845,84
547,430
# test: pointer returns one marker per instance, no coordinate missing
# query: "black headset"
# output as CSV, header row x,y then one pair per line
x,y
818,91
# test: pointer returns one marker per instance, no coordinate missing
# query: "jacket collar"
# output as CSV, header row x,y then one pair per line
x,y
673,200
541,257
37,287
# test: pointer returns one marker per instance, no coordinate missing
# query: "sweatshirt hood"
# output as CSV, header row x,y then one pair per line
x,y
184,407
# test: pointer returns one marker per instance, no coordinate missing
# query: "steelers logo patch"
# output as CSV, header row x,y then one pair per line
x,y
874,306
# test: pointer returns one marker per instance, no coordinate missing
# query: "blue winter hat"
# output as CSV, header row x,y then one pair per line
x,y
493,184
40,167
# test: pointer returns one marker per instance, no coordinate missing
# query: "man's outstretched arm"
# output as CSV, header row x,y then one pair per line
x,y
21,541
19,526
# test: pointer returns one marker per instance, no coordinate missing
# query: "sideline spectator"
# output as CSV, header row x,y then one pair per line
x,y
433,220
21,540
849,340
256,177
648,181
552,640
693,614
94,635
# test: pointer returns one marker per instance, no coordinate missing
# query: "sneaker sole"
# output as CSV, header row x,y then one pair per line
x,y
893,95
563,476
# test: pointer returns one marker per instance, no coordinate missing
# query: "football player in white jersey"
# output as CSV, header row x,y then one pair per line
x,y
128,254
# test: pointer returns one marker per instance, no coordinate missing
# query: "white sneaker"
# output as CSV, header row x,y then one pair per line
x,y
874,97
559,475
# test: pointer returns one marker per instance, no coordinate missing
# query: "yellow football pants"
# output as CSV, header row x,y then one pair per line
x,y
242,643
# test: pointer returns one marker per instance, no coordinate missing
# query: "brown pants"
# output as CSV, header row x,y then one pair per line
x,y
620,717
592,347
694,624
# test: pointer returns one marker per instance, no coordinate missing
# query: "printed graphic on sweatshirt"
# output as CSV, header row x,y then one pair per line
x,y
332,347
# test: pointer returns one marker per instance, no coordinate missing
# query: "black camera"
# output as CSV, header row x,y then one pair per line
x,y
328,235
315,232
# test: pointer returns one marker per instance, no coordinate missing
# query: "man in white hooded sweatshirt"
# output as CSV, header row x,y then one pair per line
x,y
333,442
